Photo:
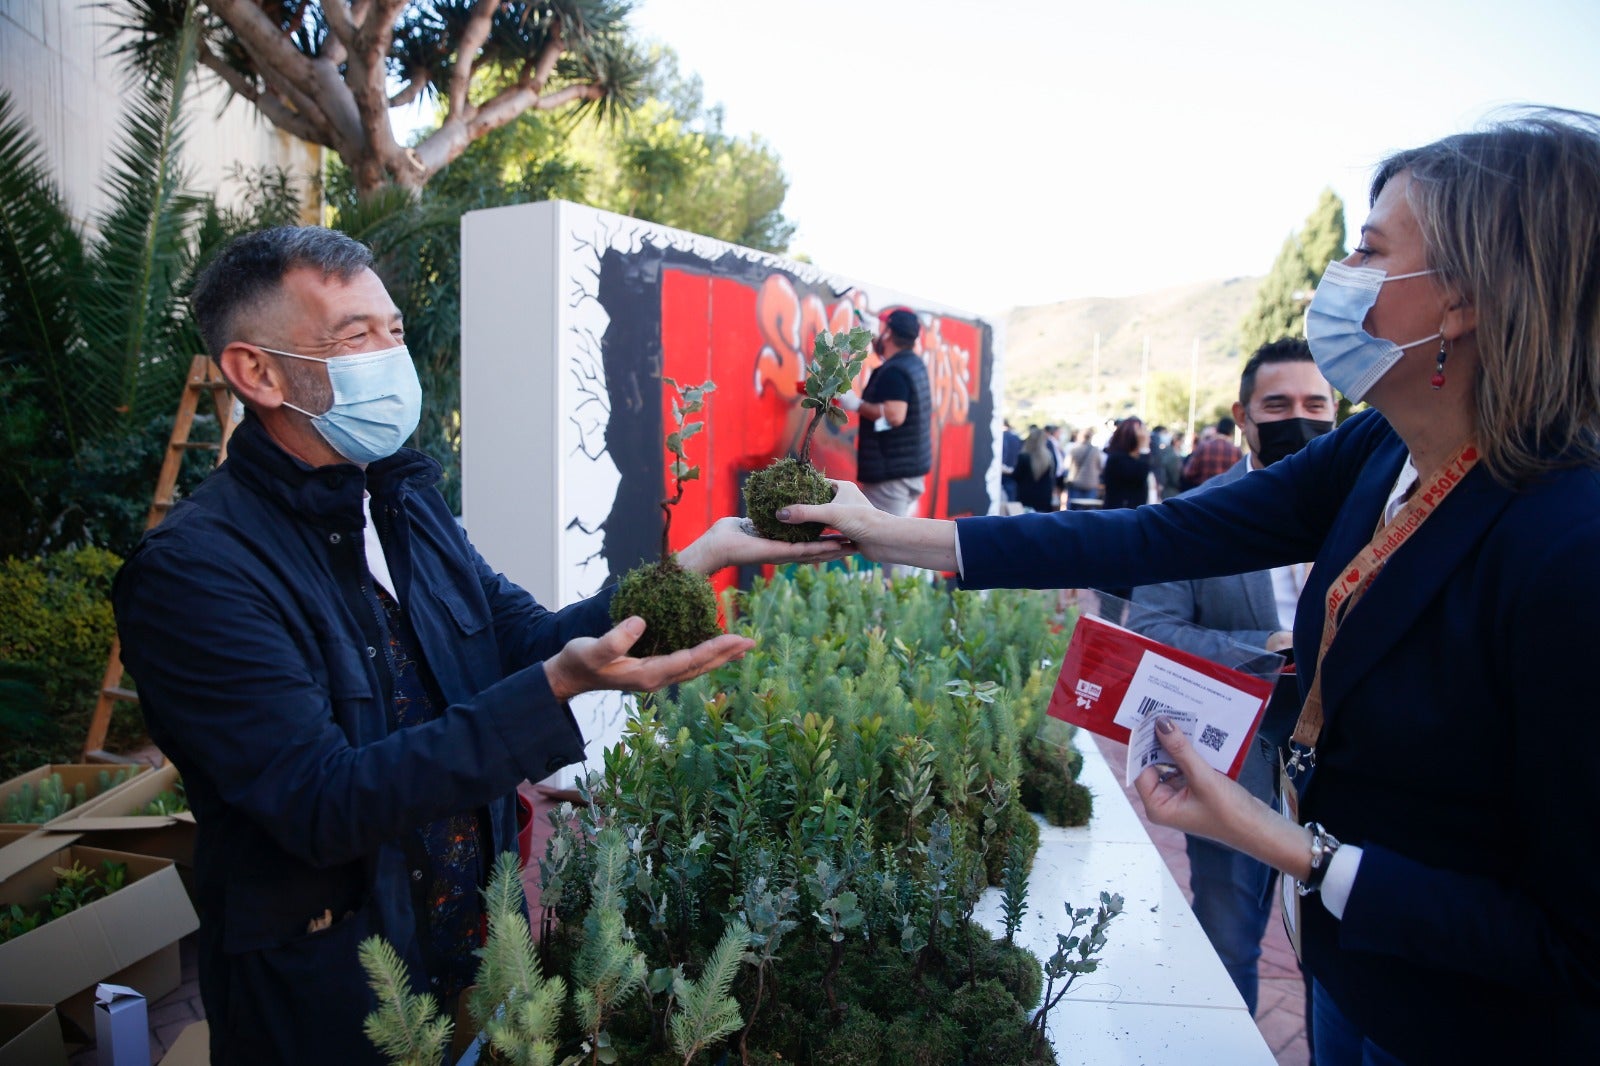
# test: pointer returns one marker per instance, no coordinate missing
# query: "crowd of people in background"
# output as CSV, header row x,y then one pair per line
x,y
1135,465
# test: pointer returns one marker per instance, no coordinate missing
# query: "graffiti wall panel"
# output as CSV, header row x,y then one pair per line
x,y
564,416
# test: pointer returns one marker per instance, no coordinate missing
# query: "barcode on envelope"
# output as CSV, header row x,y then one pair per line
x,y
1149,706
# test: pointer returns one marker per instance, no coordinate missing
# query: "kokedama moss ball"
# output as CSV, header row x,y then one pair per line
x,y
784,482
678,606
1048,785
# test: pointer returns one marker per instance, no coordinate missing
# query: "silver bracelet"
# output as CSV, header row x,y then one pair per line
x,y
1323,845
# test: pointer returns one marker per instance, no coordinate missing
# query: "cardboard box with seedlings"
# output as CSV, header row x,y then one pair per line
x,y
125,819
47,793
129,937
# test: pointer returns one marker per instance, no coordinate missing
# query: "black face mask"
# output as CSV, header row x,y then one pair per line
x,y
1287,436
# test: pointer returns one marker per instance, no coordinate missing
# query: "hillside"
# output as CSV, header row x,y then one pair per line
x,y
1048,354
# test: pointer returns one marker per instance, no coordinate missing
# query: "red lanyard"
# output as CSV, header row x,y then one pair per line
x,y
1354,580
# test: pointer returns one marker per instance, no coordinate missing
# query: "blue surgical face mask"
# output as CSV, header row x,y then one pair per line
x,y
1349,357
377,402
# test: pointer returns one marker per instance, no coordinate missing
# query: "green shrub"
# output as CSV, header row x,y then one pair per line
x,y
837,801
53,647
77,886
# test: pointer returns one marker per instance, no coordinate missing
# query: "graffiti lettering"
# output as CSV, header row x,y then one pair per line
x,y
788,327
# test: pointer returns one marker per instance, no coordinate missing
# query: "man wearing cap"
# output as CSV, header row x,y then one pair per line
x,y
894,445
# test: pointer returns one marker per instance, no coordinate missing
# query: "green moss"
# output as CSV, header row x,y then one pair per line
x,y
784,482
923,1041
993,1024
1015,822
1049,784
1013,966
678,606
856,1041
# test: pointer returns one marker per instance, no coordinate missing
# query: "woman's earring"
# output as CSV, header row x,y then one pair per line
x,y
1438,371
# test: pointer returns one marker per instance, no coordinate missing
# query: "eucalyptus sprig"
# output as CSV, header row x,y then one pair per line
x,y
836,359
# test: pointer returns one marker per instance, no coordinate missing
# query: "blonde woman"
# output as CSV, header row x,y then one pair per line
x,y
1036,473
1444,839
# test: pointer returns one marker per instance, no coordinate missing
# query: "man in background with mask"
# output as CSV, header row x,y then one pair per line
x,y
1283,403
350,692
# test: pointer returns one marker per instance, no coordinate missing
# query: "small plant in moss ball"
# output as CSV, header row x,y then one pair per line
x,y
836,359
678,606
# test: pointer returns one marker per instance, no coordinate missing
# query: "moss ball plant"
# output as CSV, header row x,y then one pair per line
x,y
784,482
678,606
835,361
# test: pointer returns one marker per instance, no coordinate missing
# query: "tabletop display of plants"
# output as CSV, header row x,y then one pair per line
x,y
77,886
781,860
34,804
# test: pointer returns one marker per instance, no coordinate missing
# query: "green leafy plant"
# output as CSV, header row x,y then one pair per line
x,y
834,804
170,801
678,605
53,646
836,359
76,887
31,804
1074,956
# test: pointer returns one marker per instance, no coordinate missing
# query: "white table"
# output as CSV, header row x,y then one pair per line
x,y
1161,994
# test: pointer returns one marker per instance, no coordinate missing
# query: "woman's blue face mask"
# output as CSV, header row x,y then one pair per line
x,y
377,402
1349,357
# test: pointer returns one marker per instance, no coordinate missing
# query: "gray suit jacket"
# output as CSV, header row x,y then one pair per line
x,y
1238,609
1239,612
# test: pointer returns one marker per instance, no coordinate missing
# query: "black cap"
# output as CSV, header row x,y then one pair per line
x,y
902,322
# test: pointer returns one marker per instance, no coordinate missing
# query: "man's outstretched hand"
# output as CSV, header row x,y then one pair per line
x,y
593,664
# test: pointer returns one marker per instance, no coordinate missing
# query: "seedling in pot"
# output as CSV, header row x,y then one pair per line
x,y
835,361
678,606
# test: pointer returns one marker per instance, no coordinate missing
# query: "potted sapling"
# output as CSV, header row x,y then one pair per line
x,y
836,359
678,606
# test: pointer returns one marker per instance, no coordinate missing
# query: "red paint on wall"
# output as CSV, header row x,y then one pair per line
x,y
752,341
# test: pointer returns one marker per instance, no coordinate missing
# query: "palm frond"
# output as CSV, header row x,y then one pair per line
x,y
147,32
616,64
41,257
134,318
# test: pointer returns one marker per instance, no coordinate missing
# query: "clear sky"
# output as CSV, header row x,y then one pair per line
x,y
994,153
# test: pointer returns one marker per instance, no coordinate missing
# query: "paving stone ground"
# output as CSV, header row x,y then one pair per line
x,y
1280,999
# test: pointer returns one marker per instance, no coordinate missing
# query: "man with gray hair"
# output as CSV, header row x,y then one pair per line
x,y
350,692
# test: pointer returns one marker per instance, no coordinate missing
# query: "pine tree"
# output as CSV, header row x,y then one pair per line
x,y
1280,307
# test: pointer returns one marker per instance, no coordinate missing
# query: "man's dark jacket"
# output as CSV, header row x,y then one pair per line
x,y
905,450
249,622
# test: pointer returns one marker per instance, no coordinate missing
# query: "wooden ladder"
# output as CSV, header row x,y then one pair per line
x,y
204,378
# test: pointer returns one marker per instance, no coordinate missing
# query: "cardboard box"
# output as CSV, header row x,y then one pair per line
x,y
129,937
30,1035
72,775
192,1048
113,821
121,1026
